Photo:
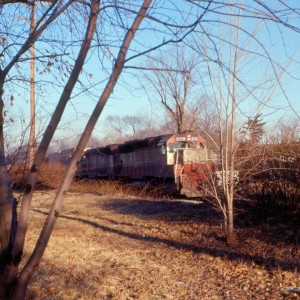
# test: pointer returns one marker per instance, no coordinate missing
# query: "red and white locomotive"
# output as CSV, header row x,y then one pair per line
x,y
182,158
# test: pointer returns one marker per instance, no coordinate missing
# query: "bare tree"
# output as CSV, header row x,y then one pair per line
x,y
226,55
127,18
8,225
134,122
113,39
118,128
286,130
172,79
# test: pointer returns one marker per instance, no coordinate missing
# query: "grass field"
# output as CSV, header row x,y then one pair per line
x,y
117,246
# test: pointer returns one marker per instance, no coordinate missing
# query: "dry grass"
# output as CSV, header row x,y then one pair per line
x,y
121,247
118,241
119,187
51,175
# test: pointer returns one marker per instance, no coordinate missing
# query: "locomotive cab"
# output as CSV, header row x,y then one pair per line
x,y
186,152
189,156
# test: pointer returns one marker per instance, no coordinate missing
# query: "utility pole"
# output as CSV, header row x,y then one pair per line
x,y
32,142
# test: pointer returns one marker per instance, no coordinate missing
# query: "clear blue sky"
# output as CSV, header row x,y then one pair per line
x,y
280,43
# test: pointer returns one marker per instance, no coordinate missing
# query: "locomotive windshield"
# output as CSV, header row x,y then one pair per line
x,y
174,146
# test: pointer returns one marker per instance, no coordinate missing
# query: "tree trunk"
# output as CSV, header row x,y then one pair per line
x,y
229,227
8,216
6,221
28,270
16,248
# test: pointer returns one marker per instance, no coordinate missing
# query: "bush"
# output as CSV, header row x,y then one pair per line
x,y
50,176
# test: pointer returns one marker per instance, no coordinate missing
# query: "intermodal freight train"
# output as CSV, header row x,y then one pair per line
x,y
182,158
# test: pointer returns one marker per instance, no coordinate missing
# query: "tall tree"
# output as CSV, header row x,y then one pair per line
x,y
172,79
85,31
237,90
8,225
112,32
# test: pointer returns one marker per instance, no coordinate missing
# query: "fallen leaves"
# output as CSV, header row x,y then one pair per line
x,y
121,251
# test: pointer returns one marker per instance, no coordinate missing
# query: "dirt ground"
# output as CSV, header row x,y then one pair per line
x,y
117,247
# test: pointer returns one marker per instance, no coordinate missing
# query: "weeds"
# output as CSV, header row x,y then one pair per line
x,y
51,175
118,187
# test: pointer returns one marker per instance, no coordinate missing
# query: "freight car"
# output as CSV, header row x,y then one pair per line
x,y
182,158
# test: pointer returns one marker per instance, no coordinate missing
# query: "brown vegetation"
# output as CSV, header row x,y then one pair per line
x,y
50,176
115,241
125,247
124,241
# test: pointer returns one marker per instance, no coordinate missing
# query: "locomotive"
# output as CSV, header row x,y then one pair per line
x,y
182,158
